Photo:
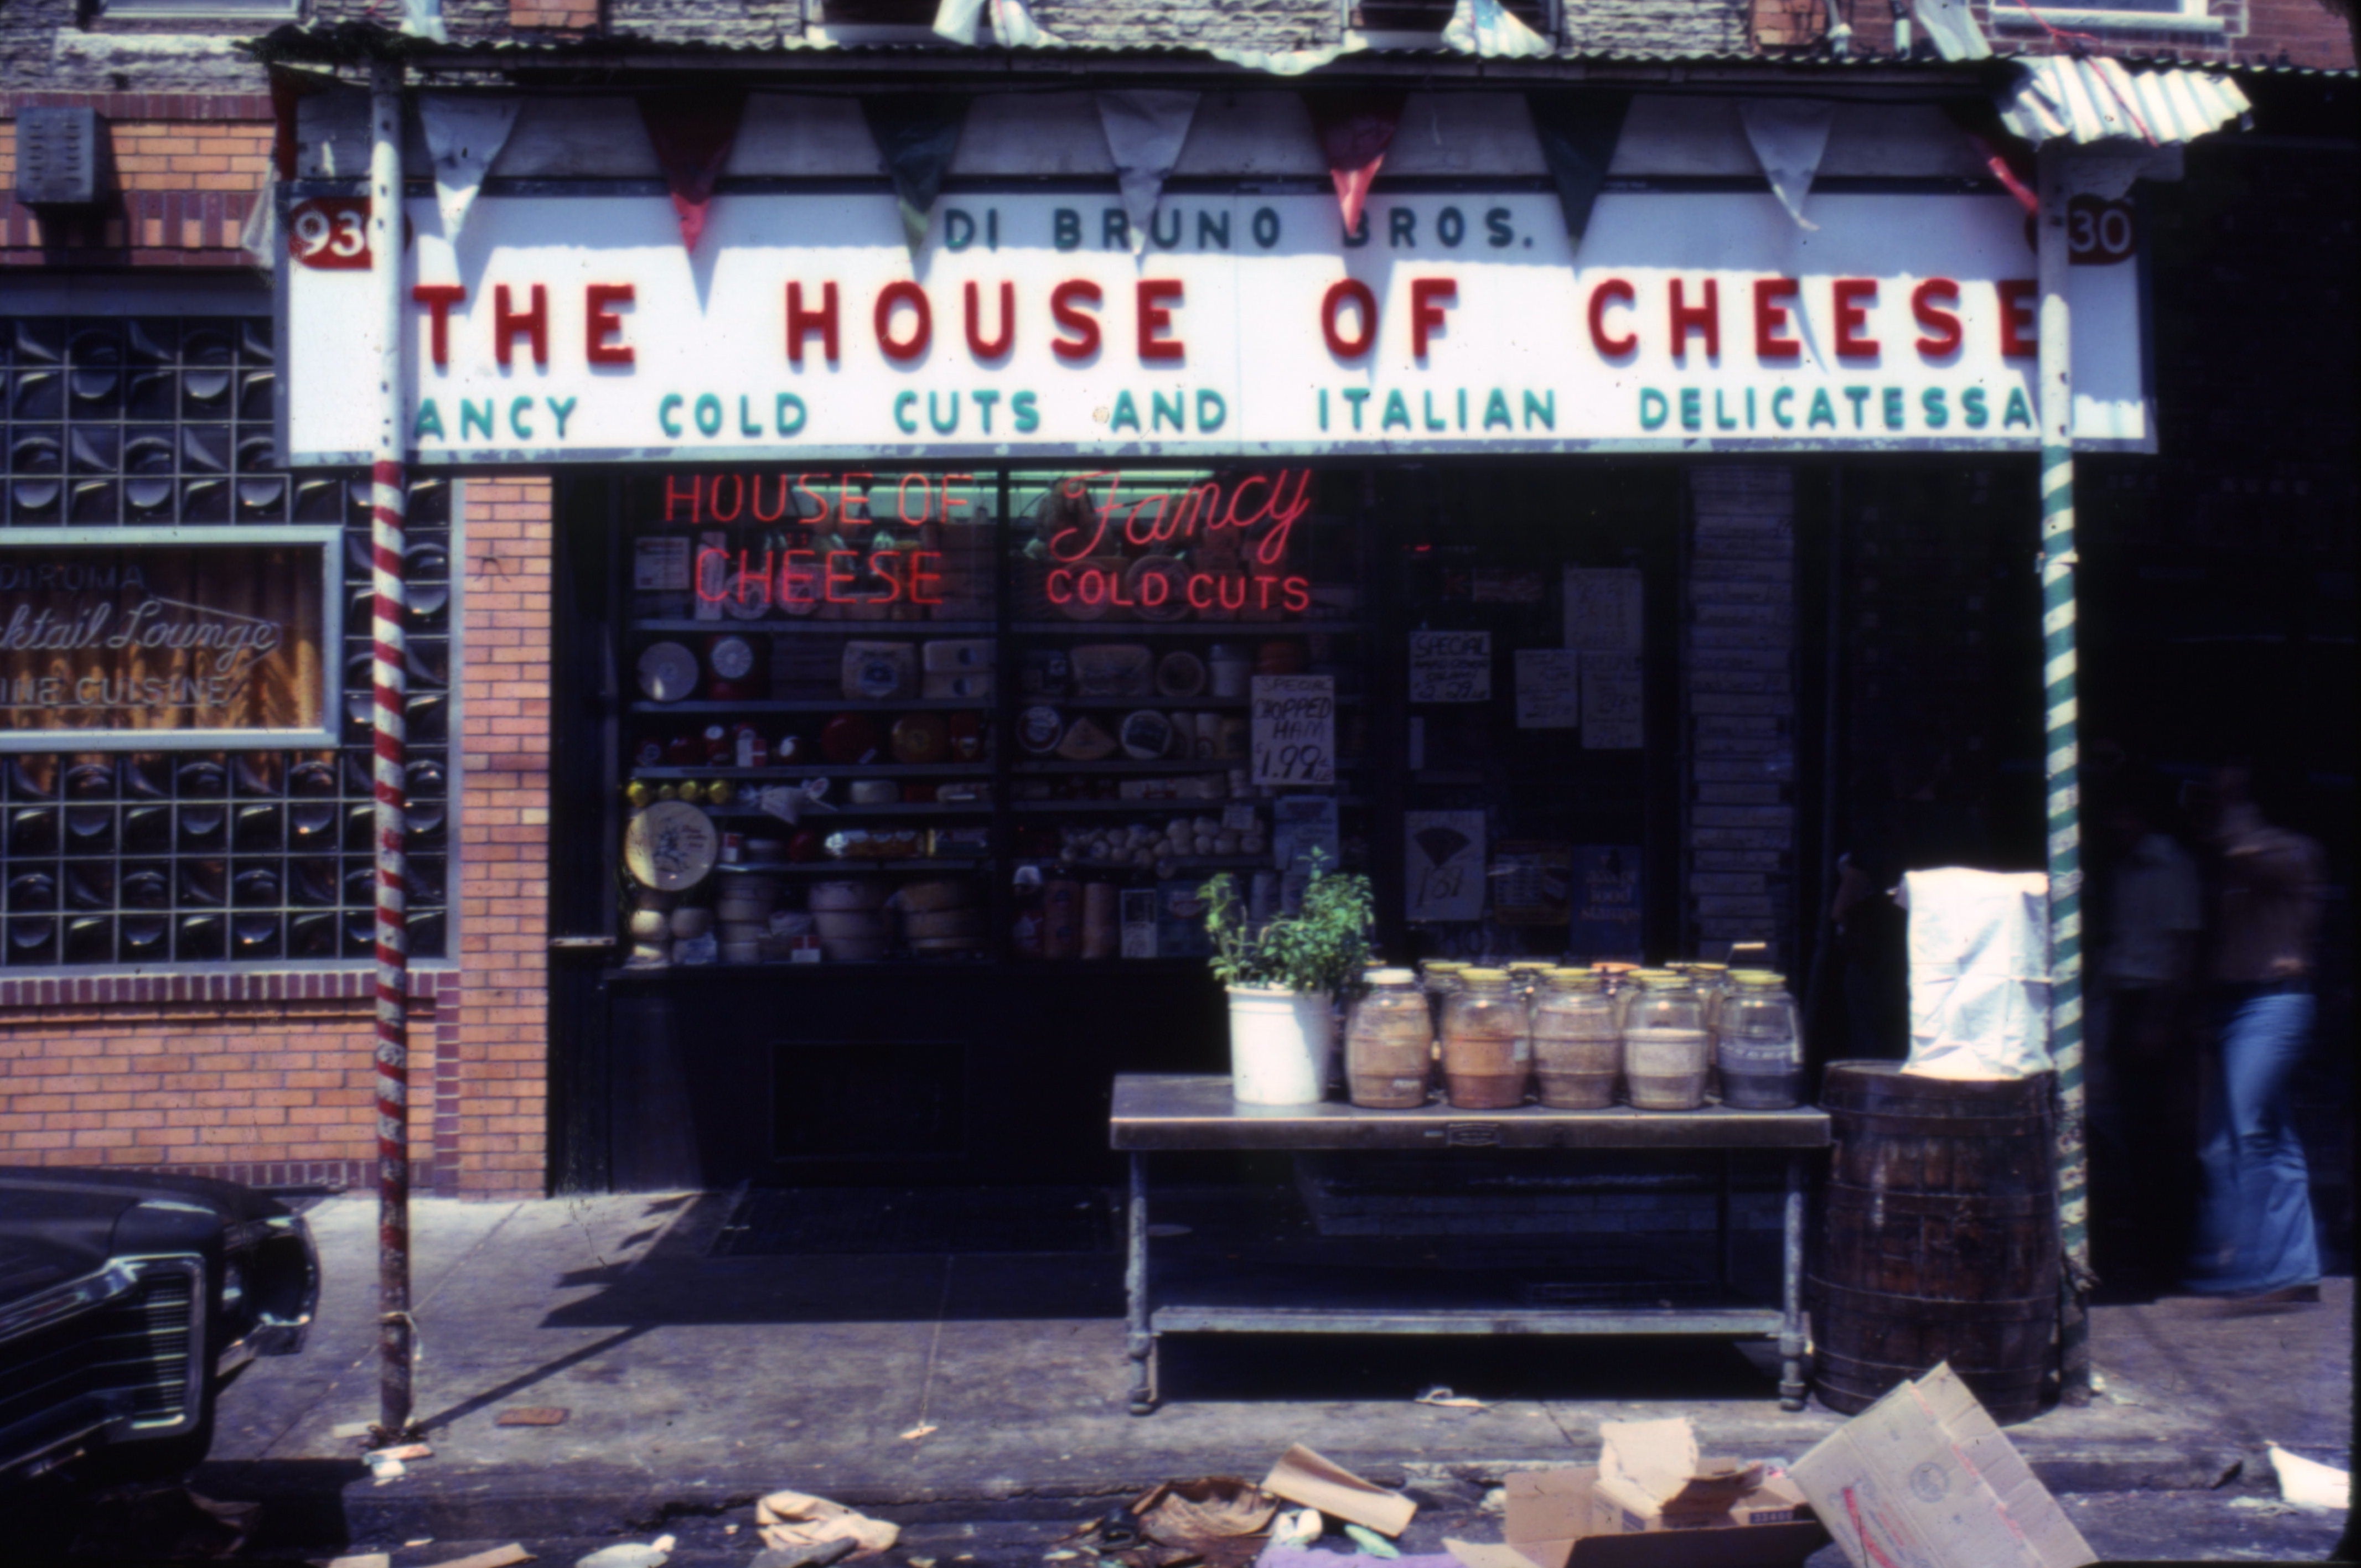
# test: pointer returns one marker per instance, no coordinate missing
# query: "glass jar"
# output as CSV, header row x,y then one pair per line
x,y
1631,982
1389,1044
1525,976
1488,1046
1578,1050
1664,1043
1712,981
1439,978
1762,1044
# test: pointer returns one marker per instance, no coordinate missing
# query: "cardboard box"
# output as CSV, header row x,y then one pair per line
x,y
1725,1493
1552,1522
1923,1477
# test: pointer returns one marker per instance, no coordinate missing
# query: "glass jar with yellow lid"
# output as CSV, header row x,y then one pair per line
x,y
1577,1047
1486,1042
1389,1043
1664,1043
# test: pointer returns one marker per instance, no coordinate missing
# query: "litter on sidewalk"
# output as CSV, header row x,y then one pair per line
x,y
1924,1477
2308,1484
1305,1477
1558,1519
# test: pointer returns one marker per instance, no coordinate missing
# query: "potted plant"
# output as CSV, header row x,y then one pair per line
x,y
1282,977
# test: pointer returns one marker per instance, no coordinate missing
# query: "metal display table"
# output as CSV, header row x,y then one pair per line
x,y
1156,1112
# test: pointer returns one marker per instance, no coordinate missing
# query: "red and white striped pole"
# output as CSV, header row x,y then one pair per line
x,y
391,649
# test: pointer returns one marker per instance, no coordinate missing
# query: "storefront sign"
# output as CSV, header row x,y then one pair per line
x,y
1611,695
1443,857
1450,666
575,327
142,640
1549,690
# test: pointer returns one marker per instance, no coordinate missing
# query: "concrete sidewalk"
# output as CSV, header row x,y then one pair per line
x,y
967,1387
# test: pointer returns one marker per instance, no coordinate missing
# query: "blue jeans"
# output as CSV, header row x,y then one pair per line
x,y
2254,1225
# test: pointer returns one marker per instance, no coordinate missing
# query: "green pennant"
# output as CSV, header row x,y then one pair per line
x,y
916,135
1578,132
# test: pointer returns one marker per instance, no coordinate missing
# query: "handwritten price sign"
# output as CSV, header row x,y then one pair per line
x,y
1451,667
1294,729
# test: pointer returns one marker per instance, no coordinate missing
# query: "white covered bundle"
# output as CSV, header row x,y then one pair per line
x,y
1979,973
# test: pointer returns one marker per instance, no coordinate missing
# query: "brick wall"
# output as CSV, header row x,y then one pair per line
x,y
182,173
553,15
504,1031
1738,651
254,1076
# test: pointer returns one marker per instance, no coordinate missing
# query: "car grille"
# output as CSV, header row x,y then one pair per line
x,y
130,1358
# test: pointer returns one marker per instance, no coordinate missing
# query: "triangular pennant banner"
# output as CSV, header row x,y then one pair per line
x,y
465,133
1356,128
423,19
1145,128
1952,27
1789,135
692,133
1013,26
917,136
957,19
1487,28
1578,132
2010,160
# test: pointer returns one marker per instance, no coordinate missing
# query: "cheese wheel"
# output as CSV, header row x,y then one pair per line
x,y
918,897
942,923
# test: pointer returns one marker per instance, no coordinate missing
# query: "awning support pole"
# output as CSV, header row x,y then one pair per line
x,y
2061,772
389,656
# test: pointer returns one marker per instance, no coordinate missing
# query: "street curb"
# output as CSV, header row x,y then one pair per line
x,y
338,1500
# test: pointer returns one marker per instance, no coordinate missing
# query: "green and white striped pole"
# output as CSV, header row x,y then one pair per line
x,y
2061,748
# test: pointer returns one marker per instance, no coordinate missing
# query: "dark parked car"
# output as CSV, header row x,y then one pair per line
x,y
127,1299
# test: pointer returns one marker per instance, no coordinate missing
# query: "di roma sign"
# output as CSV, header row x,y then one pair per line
x,y
574,327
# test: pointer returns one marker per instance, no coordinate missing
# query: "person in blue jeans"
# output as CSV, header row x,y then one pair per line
x,y
2254,1236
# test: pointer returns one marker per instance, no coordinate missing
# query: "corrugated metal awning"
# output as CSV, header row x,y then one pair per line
x,y
2062,98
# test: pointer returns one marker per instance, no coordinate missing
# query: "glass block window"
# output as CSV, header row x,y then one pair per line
x,y
123,857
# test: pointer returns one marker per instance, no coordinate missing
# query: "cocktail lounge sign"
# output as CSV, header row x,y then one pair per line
x,y
152,640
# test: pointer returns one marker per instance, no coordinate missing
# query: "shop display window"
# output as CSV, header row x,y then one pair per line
x,y
119,858
999,716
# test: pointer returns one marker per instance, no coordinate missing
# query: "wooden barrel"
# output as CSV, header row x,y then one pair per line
x,y
1938,1238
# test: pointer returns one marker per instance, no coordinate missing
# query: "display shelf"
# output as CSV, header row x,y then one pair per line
x,y
648,710
845,867
1097,704
1050,807
805,626
837,809
1102,628
1177,766
792,772
1179,862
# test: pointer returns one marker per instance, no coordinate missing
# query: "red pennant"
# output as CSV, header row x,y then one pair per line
x,y
1354,129
692,133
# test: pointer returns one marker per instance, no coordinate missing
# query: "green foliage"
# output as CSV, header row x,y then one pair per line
x,y
1324,946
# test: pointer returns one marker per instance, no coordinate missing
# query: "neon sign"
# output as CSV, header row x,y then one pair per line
x,y
1257,513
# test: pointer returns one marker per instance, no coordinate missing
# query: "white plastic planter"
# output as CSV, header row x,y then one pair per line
x,y
1280,1044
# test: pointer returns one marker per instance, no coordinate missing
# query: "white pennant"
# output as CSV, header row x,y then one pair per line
x,y
465,132
1789,135
1145,128
1487,28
